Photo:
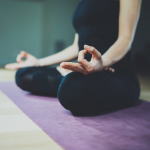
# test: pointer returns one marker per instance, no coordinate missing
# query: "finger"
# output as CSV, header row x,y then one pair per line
x,y
76,67
60,68
63,71
70,66
7,66
12,66
81,59
93,51
113,70
25,54
110,69
81,54
20,56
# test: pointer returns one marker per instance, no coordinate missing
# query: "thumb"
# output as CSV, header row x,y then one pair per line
x,y
27,55
24,54
20,56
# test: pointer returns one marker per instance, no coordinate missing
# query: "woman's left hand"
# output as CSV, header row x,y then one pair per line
x,y
96,64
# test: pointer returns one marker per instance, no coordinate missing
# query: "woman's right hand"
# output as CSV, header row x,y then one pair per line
x,y
30,61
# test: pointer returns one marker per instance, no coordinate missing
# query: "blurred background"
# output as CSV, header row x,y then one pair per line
x,y
40,27
44,27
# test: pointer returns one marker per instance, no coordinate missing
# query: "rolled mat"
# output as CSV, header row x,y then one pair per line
x,y
126,129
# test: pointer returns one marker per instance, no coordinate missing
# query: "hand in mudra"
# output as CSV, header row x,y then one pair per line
x,y
30,61
96,64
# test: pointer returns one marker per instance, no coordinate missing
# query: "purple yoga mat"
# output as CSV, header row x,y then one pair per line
x,y
127,129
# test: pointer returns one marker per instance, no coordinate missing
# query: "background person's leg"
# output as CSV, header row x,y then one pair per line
x,y
96,91
39,80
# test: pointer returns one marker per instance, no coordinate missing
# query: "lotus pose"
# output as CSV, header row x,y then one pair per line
x,y
104,77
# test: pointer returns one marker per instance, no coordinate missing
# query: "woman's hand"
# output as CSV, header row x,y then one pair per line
x,y
63,71
96,64
30,61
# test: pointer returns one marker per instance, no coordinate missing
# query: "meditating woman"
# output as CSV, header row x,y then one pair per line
x,y
104,77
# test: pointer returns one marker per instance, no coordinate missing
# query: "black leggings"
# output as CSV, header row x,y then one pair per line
x,y
78,92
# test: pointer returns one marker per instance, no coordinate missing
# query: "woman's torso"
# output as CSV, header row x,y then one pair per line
x,y
97,23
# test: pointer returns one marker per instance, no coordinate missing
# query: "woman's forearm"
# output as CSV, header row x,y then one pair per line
x,y
67,54
117,51
128,19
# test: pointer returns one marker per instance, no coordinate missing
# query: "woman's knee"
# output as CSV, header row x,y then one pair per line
x,y
71,91
79,92
23,77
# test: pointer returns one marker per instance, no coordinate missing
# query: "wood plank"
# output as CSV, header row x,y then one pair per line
x,y
18,132
7,75
27,140
145,87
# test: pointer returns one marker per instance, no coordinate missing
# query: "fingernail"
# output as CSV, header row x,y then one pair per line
x,y
88,47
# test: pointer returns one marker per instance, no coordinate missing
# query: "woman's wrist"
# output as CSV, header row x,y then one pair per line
x,y
106,62
38,63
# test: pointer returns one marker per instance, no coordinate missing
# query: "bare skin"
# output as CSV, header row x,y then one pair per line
x,y
67,54
128,18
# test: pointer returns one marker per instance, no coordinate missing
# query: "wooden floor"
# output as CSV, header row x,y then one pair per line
x,y
18,132
145,86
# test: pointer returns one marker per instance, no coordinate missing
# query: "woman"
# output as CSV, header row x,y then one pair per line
x,y
108,26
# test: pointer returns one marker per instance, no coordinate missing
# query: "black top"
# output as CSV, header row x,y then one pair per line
x,y
97,23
